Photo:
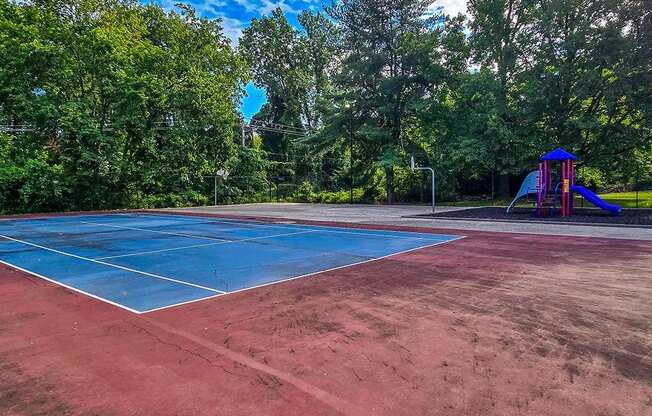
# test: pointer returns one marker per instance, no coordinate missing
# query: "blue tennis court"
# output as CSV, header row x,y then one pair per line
x,y
144,261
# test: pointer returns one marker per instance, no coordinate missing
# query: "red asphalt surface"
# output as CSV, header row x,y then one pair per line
x,y
494,324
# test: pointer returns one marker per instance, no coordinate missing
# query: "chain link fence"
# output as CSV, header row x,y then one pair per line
x,y
410,188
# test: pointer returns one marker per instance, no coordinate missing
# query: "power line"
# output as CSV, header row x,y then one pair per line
x,y
254,125
26,128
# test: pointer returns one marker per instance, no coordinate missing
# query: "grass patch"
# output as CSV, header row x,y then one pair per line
x,y
628,199
623,199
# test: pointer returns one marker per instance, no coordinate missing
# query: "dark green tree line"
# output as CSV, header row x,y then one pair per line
x,y
551,73
129,105
476,97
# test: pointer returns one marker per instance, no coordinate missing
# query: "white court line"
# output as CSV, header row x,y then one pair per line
x,y
163,250
199,237
252,224
205,245
362,232
74,289
111,265
303,275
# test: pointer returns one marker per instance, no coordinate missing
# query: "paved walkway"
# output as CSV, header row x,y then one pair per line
x,y
399,215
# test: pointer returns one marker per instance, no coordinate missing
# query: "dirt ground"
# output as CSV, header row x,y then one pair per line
x,y
493,324
633,217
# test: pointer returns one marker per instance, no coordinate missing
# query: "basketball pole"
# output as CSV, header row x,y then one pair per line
x,y
414,167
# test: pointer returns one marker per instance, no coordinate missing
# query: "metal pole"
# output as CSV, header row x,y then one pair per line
x,y
432,172
215,191
492,187
413,166
350,161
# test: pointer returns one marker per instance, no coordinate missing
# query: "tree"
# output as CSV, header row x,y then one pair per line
x,y
295,67
502,36
321,44
589,92
276,56
380,77
127,101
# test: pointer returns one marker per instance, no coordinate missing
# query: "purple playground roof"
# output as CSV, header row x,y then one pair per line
x,y
559,154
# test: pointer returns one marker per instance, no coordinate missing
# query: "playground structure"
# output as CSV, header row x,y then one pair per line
x,y
549,196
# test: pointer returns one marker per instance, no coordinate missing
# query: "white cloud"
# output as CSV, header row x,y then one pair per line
x,y
268,6
248,5
263,7
450,7
208,6
232,28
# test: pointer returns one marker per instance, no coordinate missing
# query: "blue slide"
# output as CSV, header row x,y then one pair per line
x,y
595,199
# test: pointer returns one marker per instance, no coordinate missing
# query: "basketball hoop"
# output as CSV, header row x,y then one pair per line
x,y
222,174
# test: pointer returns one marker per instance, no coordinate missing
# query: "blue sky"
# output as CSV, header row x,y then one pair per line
x,y
236,15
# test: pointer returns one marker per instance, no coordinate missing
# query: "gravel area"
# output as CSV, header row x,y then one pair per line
x,y
628,217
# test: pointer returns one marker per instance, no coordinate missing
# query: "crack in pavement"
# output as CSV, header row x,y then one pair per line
x,y
180,348
338,404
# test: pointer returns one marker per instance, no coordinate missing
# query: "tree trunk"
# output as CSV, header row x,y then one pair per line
x,y
503,185
389,183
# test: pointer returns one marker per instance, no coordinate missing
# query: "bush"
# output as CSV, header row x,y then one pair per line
x,y
306,192
11,180
176,200
591,177
44,188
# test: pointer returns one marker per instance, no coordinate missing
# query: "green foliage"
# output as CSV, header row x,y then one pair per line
x,y
11,180
392,63
479,100
131,105
172,200
293,65
591,177
135,106
43,188
247,169
307,193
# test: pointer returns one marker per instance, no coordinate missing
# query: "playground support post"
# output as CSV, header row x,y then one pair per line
x,y
565,188
543,185
539,188
567,178
572,183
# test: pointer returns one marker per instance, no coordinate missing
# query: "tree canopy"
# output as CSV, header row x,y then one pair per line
x,y
127,102
475,96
